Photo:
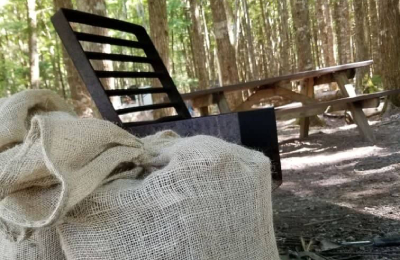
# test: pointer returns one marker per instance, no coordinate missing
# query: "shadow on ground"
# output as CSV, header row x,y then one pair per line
x,y
337,186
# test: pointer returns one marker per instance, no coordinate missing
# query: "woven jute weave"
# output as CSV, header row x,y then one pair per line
x,y
74,188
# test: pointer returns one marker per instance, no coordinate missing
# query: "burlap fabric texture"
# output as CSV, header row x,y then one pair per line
x,y
75,188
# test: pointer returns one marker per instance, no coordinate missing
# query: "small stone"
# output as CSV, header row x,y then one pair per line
x,y
285,225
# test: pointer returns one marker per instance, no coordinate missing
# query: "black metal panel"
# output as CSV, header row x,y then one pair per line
x,y
84,67
253,129
71,40
136,91
116,57
144,108
258,131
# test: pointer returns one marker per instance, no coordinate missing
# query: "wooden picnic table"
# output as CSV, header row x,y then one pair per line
x,y
262,89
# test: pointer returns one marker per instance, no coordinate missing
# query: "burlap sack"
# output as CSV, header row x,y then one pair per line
x,y
110,195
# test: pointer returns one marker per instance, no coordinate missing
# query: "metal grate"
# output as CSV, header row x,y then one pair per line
x,y
91,77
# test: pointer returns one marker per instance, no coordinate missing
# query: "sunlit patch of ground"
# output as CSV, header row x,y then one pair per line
x,y
335,175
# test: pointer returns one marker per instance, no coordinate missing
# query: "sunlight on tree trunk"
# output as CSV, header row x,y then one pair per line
x,y
226,54
33,45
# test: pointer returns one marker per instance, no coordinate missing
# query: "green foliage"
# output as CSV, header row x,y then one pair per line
x,y
14,36
372,84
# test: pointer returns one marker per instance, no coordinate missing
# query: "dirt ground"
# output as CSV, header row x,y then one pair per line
x,y
339,187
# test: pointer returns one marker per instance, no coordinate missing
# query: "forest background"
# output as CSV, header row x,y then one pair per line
x,y
209,43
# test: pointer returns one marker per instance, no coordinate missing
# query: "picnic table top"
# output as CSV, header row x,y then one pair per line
x,y
270,81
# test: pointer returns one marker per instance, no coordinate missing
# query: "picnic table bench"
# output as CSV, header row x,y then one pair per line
x,y
266,88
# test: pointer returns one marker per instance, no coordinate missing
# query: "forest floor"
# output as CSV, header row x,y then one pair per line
x,y
338,187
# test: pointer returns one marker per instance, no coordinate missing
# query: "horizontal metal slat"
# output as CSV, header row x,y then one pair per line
x,y
144,108
116,57
101,21
137,91
127,74
87,37
160,120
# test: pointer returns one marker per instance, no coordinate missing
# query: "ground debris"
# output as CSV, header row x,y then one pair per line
x,y
339,187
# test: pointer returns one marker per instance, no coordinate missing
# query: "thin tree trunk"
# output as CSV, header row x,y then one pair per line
x,y
284,32
231,23
159,35
226,53
360,7
268,43
33,48
250,44
326,35
314,33
374,36
302,33
209,51
199,53
342,28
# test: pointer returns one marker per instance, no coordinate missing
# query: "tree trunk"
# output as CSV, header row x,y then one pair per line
x,y
199,53
325,28
268,44
33,48
342,28
231,23
302,33
159,35
360,7
250,45
301,26
390,51
209,50
81,99
316,48
284,32
226,53
374,36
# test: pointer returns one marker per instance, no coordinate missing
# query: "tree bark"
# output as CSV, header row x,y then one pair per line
x,y
159,35
342,28
374,35
199,53
209,50
284,32
249,42
302,32
390,51
323,18
33,46
360,8
226,54
268,44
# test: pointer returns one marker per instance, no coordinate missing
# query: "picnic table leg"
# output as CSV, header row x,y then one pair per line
x,y
308,90
222,104
356,110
